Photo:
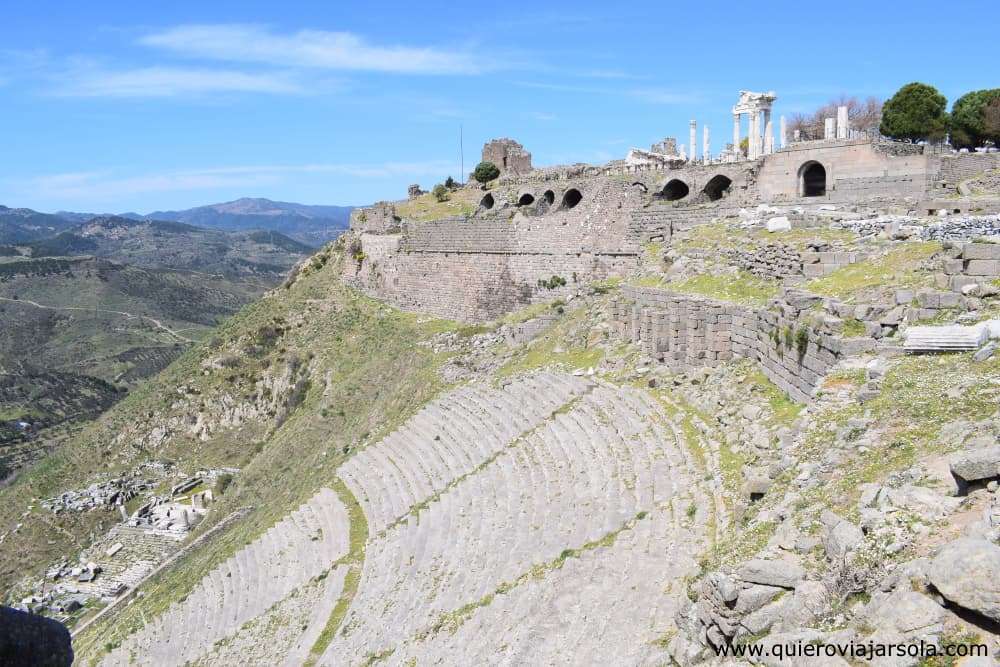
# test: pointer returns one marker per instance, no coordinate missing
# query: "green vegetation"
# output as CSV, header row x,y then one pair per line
x,y
485,172
427,207
743,288
853,328
363,360
971,124
900,267
916,112
440,192
566,343
552,282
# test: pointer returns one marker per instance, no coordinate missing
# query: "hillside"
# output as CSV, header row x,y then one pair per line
x,y
90,311
21,225
658,431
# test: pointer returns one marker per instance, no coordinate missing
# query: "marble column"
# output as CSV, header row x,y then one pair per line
x,y
768,133
829,128
706,155
752,144
782,132
736,136
693,143
843,129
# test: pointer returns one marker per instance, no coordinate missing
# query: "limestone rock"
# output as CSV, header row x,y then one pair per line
x,y
906,612
975,465
784,574
841,537
967,573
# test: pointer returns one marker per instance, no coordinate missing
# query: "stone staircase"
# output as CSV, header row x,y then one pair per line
x,y
552,509
287,556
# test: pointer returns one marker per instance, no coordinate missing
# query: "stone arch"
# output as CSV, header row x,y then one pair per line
x,y
526,199
549,197
641,186
675,189
571,198
487,202
812,179
717,187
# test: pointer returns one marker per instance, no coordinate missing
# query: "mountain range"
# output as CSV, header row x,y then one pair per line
x,y
310,224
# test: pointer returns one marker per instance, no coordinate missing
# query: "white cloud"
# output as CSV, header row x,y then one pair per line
x,y
307,48
172,82
108,186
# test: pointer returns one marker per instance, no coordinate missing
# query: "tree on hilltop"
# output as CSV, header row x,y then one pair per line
x,y
968,118
991,122
485,172
916,112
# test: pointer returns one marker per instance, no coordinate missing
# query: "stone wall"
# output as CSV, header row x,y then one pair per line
x,y
477,268
855,170
953,169
684,331
379,218
770,260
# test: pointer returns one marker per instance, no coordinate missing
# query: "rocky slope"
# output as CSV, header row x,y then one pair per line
x,y
551,485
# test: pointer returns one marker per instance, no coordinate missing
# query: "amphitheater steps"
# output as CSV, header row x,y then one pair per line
x,y
468,426
554,534
287,556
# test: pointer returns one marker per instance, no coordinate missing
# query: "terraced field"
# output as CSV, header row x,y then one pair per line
x,y
546,519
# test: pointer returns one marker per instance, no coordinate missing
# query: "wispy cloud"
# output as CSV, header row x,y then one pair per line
x,y
174,82
308,48
108,185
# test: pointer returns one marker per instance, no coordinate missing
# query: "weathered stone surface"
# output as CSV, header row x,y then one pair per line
x,y
27,639
978,464
967,573
841,537
785,574
907,612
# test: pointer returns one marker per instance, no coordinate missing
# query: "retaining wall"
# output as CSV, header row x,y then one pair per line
x,y
684,331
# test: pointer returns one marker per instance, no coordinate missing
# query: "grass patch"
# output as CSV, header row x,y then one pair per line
x,y
743,288
424,208
898,268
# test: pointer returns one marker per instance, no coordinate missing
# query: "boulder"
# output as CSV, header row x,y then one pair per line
x,y
975,465
841,538
784,574
967,573
906,612
779,224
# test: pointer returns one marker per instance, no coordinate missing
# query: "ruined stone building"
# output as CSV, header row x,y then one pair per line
x,y
508,155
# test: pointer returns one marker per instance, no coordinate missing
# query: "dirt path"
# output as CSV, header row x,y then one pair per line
x,y
155,321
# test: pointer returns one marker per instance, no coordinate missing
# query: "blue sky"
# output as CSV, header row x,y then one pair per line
x,y
138,106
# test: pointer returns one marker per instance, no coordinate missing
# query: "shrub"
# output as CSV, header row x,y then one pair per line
x,y
223,482
552,283
440,192
801,341
916,112
450,183
485,172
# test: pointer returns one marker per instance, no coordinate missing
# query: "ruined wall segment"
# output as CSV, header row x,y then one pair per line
x,y
855,169
477,268
684,331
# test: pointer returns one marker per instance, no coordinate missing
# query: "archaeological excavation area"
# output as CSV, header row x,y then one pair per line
x,y
645,412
